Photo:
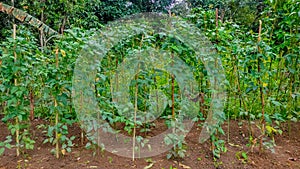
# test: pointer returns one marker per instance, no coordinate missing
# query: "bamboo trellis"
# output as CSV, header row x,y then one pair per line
x,y
25,17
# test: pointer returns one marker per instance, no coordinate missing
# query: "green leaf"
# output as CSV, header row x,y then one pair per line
x,y
88,145
69,149
45,141
8,146
2,149
244,155
72,137
63,146
276,103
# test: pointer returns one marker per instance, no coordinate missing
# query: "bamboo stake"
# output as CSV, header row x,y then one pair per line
x,y
16,83
81,108
217,23
135,112
242,101
136,105
31,98
173,94
56,114
261,91
172,80
215,82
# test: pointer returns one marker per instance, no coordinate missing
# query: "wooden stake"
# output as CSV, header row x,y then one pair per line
x,y
261,90
135,112
215,80
136,105
31,98
173,94
217,23
16,83
56,130
56,114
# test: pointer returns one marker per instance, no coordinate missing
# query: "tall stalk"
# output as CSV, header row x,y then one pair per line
x,y
242,101
217,23
135,112
136,105
81,108
215,85
16,83
56,114
31,98
279,76
173,87
261,90
228,112
290,102
172,79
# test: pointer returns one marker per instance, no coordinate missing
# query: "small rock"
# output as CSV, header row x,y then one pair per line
x,y
292,159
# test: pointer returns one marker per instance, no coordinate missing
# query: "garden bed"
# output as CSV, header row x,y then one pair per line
x,y
287,152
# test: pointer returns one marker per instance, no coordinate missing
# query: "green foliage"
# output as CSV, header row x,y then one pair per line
x,y
177,141
63,139
32,71
5,144
208,4
46,71
277,59
242,156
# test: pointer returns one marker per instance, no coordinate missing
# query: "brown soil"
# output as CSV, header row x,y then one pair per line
x,y
287,152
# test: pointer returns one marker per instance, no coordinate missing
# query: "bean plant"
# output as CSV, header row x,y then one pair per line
x,y
260,58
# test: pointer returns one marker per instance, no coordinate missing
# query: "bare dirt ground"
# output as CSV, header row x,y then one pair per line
x,y
198,156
